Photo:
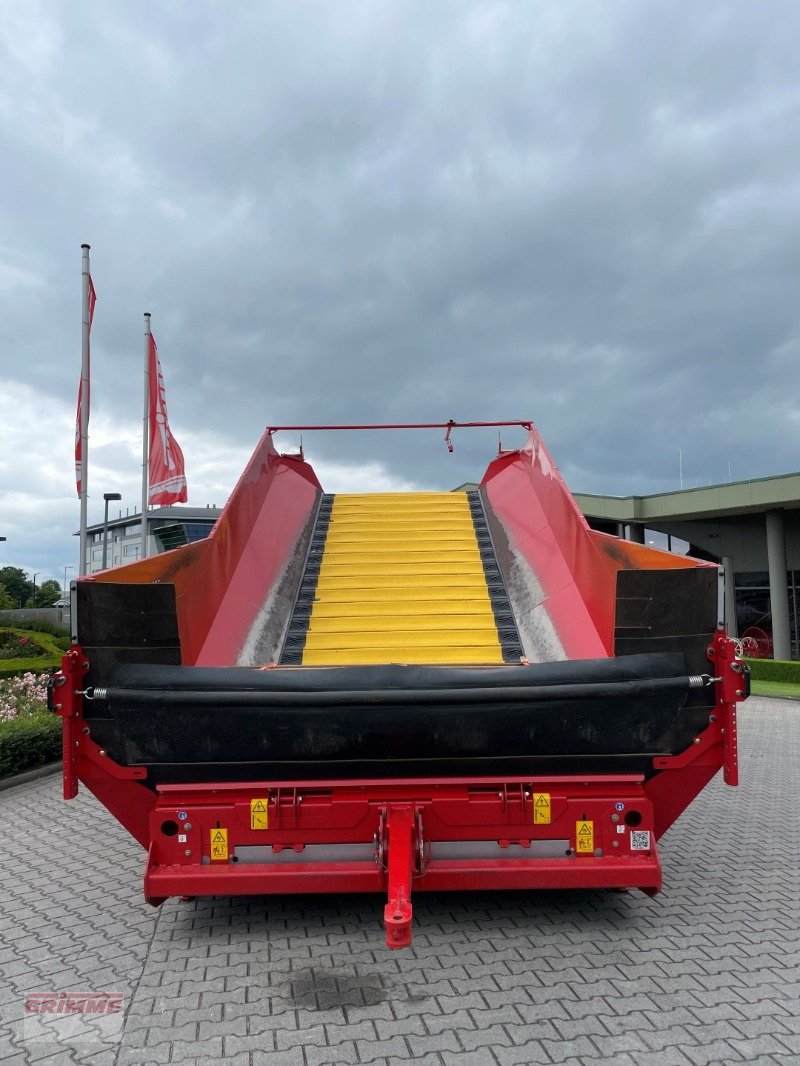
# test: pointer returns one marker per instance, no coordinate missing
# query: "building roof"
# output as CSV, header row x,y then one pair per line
x,y
711,501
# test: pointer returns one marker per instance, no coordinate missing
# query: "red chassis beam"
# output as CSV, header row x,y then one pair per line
x,y
392,836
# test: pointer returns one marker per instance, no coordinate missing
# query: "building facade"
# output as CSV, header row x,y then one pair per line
x,y
750,527
167,527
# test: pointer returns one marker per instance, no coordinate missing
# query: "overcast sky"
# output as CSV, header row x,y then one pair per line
x,y
583,213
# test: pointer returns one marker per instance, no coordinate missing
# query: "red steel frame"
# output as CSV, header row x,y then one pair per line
x,y
405,821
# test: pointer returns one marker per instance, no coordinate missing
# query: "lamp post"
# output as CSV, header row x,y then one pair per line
x,y
33,601
64,587
107,496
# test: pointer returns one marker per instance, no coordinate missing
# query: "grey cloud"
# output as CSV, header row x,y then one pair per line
x,y
586,215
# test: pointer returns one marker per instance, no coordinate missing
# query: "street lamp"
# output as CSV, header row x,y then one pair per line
x,y
33,602
107,496
65,578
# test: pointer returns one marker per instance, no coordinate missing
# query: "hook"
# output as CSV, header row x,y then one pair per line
x,y
447,440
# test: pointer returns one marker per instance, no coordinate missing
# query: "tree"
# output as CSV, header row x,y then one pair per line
x,y
6,602
16,584
47,593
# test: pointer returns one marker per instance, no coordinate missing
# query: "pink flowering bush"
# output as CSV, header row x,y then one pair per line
x,y
22,697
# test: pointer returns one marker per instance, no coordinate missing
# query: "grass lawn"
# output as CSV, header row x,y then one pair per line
x,y
776,688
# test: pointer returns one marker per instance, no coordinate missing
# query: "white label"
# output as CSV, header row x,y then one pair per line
x,y
620,828
181,838
640,840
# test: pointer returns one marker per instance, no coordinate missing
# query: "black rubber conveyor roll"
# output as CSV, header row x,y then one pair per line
x,y
189,723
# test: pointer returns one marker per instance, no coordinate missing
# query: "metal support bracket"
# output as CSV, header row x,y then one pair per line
x,y
64,698
733,686
86,747
732,680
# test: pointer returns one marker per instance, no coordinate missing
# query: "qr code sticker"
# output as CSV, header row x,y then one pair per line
x,y
640,840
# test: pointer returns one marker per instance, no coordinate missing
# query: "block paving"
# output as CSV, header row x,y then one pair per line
x,y
707,972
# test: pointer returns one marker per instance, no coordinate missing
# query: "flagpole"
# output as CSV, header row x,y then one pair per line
x,y
145,431
84,406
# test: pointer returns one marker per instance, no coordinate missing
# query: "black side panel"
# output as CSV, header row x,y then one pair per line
x,y
123,623
667,610
295,641
670,610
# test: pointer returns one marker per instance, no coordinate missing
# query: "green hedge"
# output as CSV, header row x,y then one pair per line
x,y
27,743
49,641
39,665
17,667
39,625
774,670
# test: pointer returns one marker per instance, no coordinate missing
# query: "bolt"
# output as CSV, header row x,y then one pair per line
x,y
187,825
188,852
614,817
614,843
101,752
697,740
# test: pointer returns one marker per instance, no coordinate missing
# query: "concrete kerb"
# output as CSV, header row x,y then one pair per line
x,y
30,775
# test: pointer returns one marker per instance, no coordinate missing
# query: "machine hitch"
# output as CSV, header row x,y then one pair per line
x,y
398,841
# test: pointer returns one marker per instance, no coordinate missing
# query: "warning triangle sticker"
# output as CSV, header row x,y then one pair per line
x,y
258,805
218,838
542,802
584,831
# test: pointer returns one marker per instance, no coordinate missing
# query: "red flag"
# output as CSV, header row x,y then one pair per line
x,y
166,471
78,448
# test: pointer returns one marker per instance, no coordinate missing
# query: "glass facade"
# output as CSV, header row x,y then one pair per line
x,y
197,530
753,610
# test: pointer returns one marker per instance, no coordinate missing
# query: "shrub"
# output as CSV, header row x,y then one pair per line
x,y
50,654
26,743
14,646
60,633
23,696
18,667
774,670
42,625
29,734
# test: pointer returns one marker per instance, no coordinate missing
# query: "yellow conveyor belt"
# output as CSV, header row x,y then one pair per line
x,y
401,581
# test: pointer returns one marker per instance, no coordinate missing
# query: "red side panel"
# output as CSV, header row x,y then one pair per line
x,y
222,583
552,553
563,572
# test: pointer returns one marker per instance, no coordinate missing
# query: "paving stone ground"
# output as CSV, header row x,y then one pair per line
x,y
707,972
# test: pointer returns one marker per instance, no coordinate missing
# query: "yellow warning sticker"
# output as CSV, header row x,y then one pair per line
x,y
584,837
541,808
259,813
219,845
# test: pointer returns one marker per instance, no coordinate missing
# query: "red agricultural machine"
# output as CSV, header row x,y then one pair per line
x,y
427,691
